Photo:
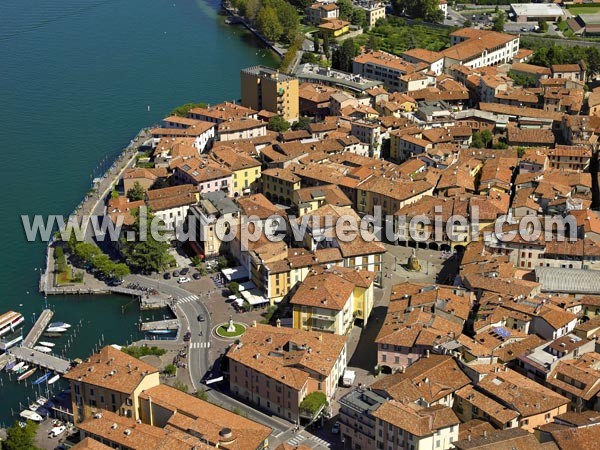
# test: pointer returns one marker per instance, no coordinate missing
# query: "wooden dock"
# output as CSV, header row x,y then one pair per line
x,y
45,360
40,325
170,324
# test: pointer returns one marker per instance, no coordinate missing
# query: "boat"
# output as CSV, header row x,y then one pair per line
x,y
52,335
27,374
41,348
18,366
59,325
23,369
43,378
6,343
10,365
47,344
31,415
54,379
10,321
56,329
160,331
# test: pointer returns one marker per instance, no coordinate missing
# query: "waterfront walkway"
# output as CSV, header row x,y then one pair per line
x,y
94,203
170,324
38,328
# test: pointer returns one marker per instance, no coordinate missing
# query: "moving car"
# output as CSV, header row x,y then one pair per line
x,y
201,318
335,429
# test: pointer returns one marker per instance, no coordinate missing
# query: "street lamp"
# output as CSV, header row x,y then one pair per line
x,y
344,442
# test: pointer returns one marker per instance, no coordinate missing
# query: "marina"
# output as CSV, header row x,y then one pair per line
x,y
40,325
40,359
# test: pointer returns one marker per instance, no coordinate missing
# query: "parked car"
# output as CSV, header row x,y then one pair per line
x,y
184,271
335,429
201,318
176,273
183,280
167,276
187,336
196,275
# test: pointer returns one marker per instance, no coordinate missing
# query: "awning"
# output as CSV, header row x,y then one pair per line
x,y
239,273
254,297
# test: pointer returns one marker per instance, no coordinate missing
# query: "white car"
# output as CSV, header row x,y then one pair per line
x,y
183,280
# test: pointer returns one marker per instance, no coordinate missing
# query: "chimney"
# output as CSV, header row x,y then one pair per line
x,y
254,323
426,353
278,323
320,337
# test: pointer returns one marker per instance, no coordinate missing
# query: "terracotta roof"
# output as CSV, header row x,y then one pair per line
x,y
288,355
585,438
414,419
111,369
194,416
508,439
431,378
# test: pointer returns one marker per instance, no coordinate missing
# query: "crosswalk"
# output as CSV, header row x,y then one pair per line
x,y
200,345
188,299
318,440
299,439
296,440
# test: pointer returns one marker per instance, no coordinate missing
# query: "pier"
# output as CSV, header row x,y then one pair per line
x,y
38,328
44,360
170,324
5,359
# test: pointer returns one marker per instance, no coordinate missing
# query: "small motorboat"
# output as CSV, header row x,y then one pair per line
x,y
31,415
54,379
18,366
23,369
57,431
41,348
160,331
56,329
10,365
52,335
27,374
42,379
47,344
59,325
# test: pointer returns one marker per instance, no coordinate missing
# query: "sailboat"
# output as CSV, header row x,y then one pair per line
x,y
27,374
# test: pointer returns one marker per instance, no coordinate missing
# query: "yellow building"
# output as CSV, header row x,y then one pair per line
x,y
334,27
330,299
265,88
110,380
278,185
245,170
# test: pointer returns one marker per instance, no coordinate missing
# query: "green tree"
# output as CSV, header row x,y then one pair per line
x,y
251,10
316,43
419,9
313,403
184,109
170,369
302,124
498,23
136,193
344,54
269,24
114,194
543,26
326,46
373,43
18,438
234,287
467,23
289,20
145,252
346,9
278,124
359,17
120,271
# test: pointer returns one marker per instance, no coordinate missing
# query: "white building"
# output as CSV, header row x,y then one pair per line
x,y
478,48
